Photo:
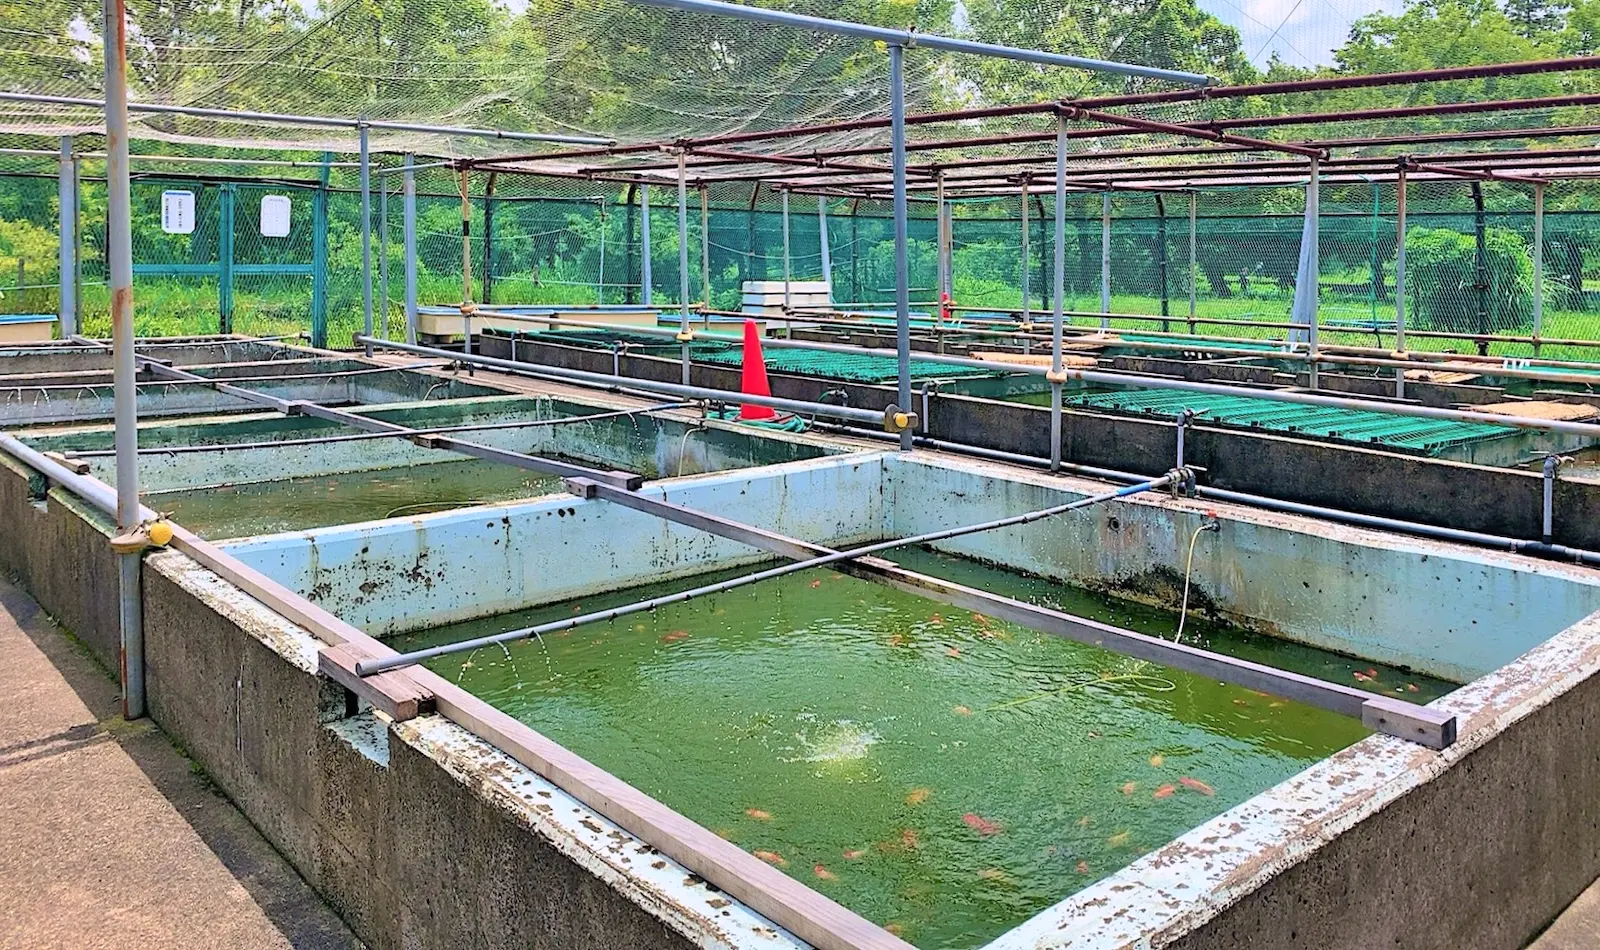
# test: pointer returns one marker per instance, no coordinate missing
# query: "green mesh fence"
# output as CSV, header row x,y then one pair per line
x,y
1469,255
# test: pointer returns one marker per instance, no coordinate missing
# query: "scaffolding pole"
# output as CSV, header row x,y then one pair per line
x,y
783,197
383,254
646,278
1538,265
1027,304
1058,309
1400,278
1194,271
683,264
366,232
119,264
705,248
1105,261
902,289
67,192
409,238
822,243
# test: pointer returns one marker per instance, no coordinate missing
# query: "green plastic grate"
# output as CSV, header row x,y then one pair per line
x,y
858,368
1429,436
853,367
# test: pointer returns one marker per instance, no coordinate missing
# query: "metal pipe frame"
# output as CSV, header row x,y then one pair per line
x,y
788,903
828,410
67,238
293,407
683,266
1105,261
1571,64
902,279
370,436
399,661
1494,542
1058,293
822,245
1101,377
366,233
119,265
238,115
646,278
1433,728
908,38
783,198
409,239
1517,368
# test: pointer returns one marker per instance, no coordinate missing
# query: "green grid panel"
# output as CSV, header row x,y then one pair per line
x,y
1429,436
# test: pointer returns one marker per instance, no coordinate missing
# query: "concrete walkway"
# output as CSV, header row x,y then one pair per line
x,y
1578,927
109,837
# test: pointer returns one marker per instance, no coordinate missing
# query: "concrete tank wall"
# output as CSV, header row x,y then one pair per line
x,y
1448,610
403,574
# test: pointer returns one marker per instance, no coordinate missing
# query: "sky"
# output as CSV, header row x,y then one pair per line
x,y
1301,32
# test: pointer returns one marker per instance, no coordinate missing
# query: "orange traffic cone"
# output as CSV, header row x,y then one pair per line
x,y
753,376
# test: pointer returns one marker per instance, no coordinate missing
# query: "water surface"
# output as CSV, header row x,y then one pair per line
x,y
939,772
298,504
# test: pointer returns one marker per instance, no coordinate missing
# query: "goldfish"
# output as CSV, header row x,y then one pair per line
x,y
895,927
899,640
962,711
1084,821
909,839
855,854
771,857
814,586
758,814
981,825
918,796
577,608
1128,788
936,620
638,628
675,636
1117,840
1157,760
980,620
1195,784
1083,867
991,874
1164,791
1411,687
823,874
952,651
1362,677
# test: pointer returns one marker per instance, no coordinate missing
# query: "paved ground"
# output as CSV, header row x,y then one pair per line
x,y
1578,927
109,837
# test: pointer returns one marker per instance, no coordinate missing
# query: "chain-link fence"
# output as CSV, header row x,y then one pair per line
x,y
1219,262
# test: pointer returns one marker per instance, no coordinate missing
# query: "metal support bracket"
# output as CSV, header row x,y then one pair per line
x,y
684,336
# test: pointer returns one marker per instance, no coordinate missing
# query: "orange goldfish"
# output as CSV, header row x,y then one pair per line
x,y
1196,785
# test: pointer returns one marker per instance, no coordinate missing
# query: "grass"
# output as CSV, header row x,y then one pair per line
x,y
178,308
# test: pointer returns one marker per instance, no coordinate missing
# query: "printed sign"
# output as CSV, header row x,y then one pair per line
x,y
274,216
177,212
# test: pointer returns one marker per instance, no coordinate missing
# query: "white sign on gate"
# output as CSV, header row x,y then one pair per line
x,y
274,216
177,212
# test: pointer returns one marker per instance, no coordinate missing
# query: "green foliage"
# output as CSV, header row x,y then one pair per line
x,y
1455,289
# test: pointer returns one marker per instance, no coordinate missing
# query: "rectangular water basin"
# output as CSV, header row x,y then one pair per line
x,y
226,477
932,768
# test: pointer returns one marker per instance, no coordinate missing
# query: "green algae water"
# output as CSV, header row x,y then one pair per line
x,y
298,504
939,772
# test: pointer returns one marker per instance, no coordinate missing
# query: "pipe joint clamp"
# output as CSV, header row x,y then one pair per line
x,y
896,419
1055,376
